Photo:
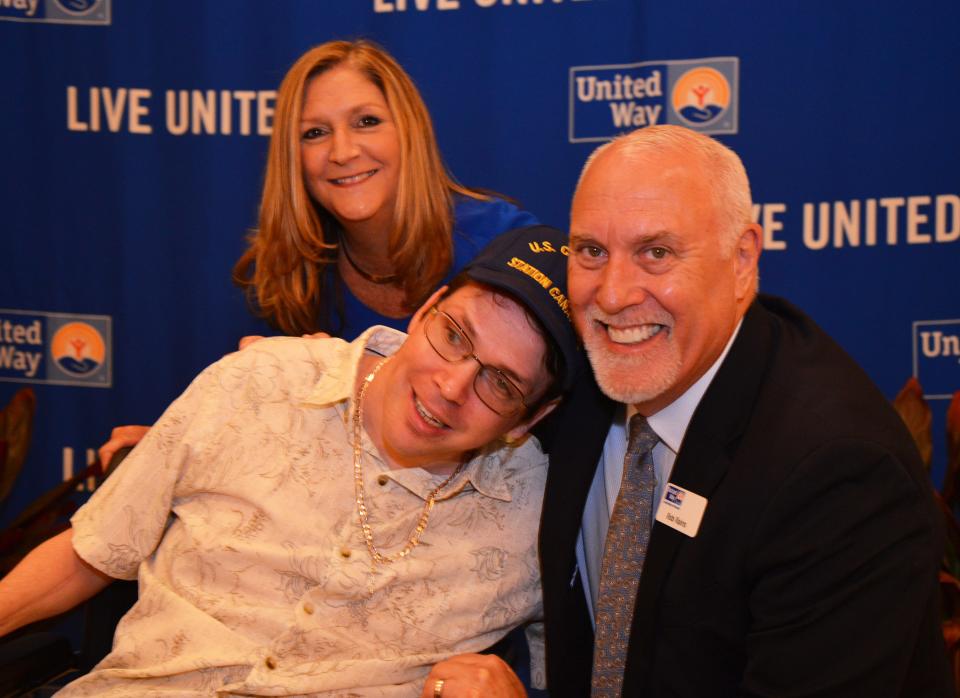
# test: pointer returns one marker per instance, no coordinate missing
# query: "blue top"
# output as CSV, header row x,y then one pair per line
x,y
475,223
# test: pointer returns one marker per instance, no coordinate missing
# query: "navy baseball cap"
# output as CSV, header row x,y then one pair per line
x,y
530,264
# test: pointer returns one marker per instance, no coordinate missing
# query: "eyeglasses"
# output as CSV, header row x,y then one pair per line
x,y
491,385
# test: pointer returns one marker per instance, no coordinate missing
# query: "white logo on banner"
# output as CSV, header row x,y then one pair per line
x,y
862,223
607,100
936,357
55,348
380,6
56,11
197,112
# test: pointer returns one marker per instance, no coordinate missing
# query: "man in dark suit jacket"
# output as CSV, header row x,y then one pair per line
x,y
793,542
814,568
809,568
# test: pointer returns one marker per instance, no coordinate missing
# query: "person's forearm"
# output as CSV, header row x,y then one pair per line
x,y
48,581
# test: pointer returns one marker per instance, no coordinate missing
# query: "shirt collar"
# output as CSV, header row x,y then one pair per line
x,y
670,423
339,373
490,472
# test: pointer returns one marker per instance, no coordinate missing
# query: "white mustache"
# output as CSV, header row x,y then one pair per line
x,y
630,317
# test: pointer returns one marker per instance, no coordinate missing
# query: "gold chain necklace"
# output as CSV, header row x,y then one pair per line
x,y
414,539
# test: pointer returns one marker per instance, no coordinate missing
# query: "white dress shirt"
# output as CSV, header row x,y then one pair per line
x,y
670,425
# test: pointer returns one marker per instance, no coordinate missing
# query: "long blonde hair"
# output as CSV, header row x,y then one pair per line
x,y
284,269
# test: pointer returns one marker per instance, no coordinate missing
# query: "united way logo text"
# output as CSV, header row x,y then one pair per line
x,y
936,357
56,348
56,11
607,100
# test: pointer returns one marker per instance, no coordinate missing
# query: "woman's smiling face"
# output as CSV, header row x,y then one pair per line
x,y
350,149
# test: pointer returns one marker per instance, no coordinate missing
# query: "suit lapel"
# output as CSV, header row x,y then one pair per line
x,y
701,465
574,454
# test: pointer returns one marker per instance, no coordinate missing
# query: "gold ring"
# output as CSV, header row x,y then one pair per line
x,y
438,688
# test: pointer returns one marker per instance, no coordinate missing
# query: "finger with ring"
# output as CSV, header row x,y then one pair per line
x,y
438,688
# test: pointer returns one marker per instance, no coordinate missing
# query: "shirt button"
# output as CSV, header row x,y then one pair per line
x,y
345,552
271,663
308,608
383,480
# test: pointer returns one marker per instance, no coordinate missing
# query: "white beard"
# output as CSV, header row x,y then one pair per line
x,y
631,379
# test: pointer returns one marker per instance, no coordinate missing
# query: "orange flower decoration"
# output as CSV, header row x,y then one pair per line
x,y
915,413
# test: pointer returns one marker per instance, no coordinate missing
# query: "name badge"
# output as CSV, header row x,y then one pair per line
x,y
681,509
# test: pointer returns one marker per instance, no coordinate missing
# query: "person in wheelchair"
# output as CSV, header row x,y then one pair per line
x,y
328,518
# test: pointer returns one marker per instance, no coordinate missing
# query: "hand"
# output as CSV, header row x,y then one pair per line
x,y
248,340
120,437
474,676
251,338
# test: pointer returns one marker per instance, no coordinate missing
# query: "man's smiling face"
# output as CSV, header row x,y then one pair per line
x,y
655,289
423,410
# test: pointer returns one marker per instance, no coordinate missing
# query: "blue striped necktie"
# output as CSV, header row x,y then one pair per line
x,y
623,555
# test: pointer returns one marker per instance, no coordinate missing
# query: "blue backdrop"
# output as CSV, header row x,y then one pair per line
x,y
133,138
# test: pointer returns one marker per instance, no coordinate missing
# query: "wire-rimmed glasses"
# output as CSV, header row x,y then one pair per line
x,y
491,385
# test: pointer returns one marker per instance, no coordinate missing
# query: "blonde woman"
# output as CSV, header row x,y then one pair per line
x,y
359,221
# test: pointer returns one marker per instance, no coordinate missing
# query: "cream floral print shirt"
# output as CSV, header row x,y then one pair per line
x,y
237,514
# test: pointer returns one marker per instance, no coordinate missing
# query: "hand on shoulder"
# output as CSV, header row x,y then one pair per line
x,y
254,338
121,437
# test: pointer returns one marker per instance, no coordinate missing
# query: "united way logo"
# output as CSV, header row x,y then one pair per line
x,y
701,96
673,496
608,100
56,348
936,357
56,11
78,7
78,349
